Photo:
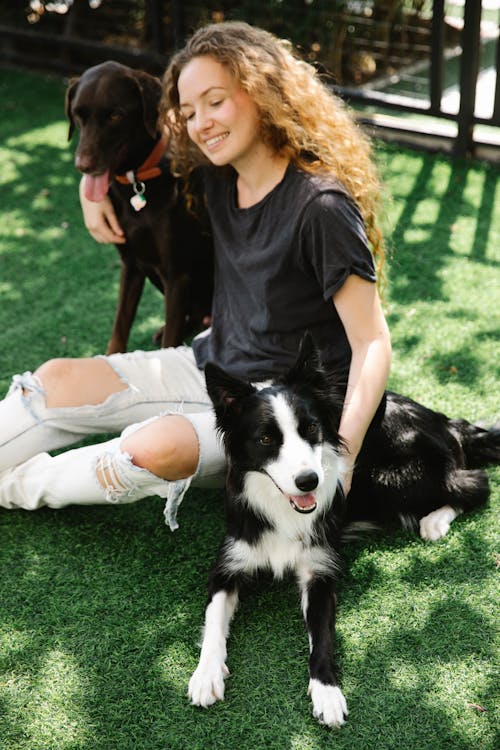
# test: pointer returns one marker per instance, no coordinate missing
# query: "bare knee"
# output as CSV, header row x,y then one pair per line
x,y
54,372
77,382
167,447
55,376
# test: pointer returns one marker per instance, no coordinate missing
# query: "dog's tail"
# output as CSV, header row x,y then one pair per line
x,y
355,530
481,445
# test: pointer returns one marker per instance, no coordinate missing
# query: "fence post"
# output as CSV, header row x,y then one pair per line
x,y
469,69
154,25
496,106
437,55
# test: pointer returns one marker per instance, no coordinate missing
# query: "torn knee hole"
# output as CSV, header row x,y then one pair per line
x,y
108,475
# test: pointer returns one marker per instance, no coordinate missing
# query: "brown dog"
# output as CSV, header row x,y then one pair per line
x,y
121,153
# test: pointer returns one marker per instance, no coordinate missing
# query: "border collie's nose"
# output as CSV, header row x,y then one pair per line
x,y
307,481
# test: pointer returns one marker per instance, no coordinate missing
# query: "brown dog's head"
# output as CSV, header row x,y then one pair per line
x,y
115,109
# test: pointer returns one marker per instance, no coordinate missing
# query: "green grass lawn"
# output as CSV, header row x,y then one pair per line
x,y
100,608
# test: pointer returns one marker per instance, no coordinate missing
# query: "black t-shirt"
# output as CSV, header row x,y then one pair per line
x,y
277,265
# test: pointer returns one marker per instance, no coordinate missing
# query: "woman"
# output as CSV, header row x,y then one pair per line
x,y
291,192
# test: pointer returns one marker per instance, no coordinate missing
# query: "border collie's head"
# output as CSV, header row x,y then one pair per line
x,y
280,430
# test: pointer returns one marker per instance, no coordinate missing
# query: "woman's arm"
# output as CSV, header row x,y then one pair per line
x,y
360,310
100,219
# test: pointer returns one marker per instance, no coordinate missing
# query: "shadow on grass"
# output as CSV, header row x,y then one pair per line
x,y
29,101
448,216
485,215
416,265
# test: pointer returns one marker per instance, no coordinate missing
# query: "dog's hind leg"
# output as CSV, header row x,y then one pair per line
x,y
131,286
467,489
436,525
176,308
318,604
207,682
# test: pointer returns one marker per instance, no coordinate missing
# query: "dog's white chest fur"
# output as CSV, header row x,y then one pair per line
x,y
280,555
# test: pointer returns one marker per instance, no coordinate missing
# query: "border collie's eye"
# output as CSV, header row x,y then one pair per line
x,y
116,117
265,440
312,428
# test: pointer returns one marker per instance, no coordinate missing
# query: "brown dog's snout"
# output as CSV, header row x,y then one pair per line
x,y
83,163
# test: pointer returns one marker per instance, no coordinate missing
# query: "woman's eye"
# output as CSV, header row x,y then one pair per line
x,y
216,103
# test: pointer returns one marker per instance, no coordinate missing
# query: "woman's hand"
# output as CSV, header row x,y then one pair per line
x,y
100,219
346,471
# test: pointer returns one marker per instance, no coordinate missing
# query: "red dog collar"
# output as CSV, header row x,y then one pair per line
x,y
149,168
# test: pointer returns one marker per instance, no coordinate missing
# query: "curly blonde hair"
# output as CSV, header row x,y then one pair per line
x,y
301,118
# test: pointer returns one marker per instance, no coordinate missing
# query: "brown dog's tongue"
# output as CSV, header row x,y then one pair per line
x,y
95,188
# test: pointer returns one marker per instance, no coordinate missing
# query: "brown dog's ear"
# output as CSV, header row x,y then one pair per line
x,y
150,88
70,93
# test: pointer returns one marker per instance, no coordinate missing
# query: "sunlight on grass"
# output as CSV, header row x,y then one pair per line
x,y
427,212
57,720
462,690
49,702
9,173
151,323
462,235
456,690
417,235
12,641
12,226
404,675
403,171
54,133
303,742
171,665
53,234
439,178
7,291
474,185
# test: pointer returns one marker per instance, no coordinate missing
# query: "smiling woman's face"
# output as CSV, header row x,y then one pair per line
x,y
221,118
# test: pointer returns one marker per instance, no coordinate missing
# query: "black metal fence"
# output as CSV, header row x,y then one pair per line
x,y
434,61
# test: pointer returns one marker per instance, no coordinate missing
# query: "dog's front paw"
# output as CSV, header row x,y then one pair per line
x,y
329,704
207,683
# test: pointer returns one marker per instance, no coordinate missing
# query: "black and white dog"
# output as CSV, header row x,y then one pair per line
x,y
286,510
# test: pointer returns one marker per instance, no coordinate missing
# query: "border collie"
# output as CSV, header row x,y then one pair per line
x,y
286,510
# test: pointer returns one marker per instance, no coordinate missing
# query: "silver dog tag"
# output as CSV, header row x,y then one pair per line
x,y
138,201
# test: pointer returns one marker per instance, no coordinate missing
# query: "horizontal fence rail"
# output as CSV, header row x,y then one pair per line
x,y
388,58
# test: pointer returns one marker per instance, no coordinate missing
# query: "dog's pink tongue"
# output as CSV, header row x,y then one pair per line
x,y
95,188
304,502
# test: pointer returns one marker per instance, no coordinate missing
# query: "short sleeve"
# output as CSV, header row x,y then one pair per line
x,y
333,242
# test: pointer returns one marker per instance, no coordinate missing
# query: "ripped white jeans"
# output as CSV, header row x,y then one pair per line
x,y
159,382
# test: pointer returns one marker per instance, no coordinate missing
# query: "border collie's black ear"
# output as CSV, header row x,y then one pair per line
x,y
309,373
225,391
150,88
307,365
70,93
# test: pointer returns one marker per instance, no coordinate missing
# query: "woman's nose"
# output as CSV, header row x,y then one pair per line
x,y
203,121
